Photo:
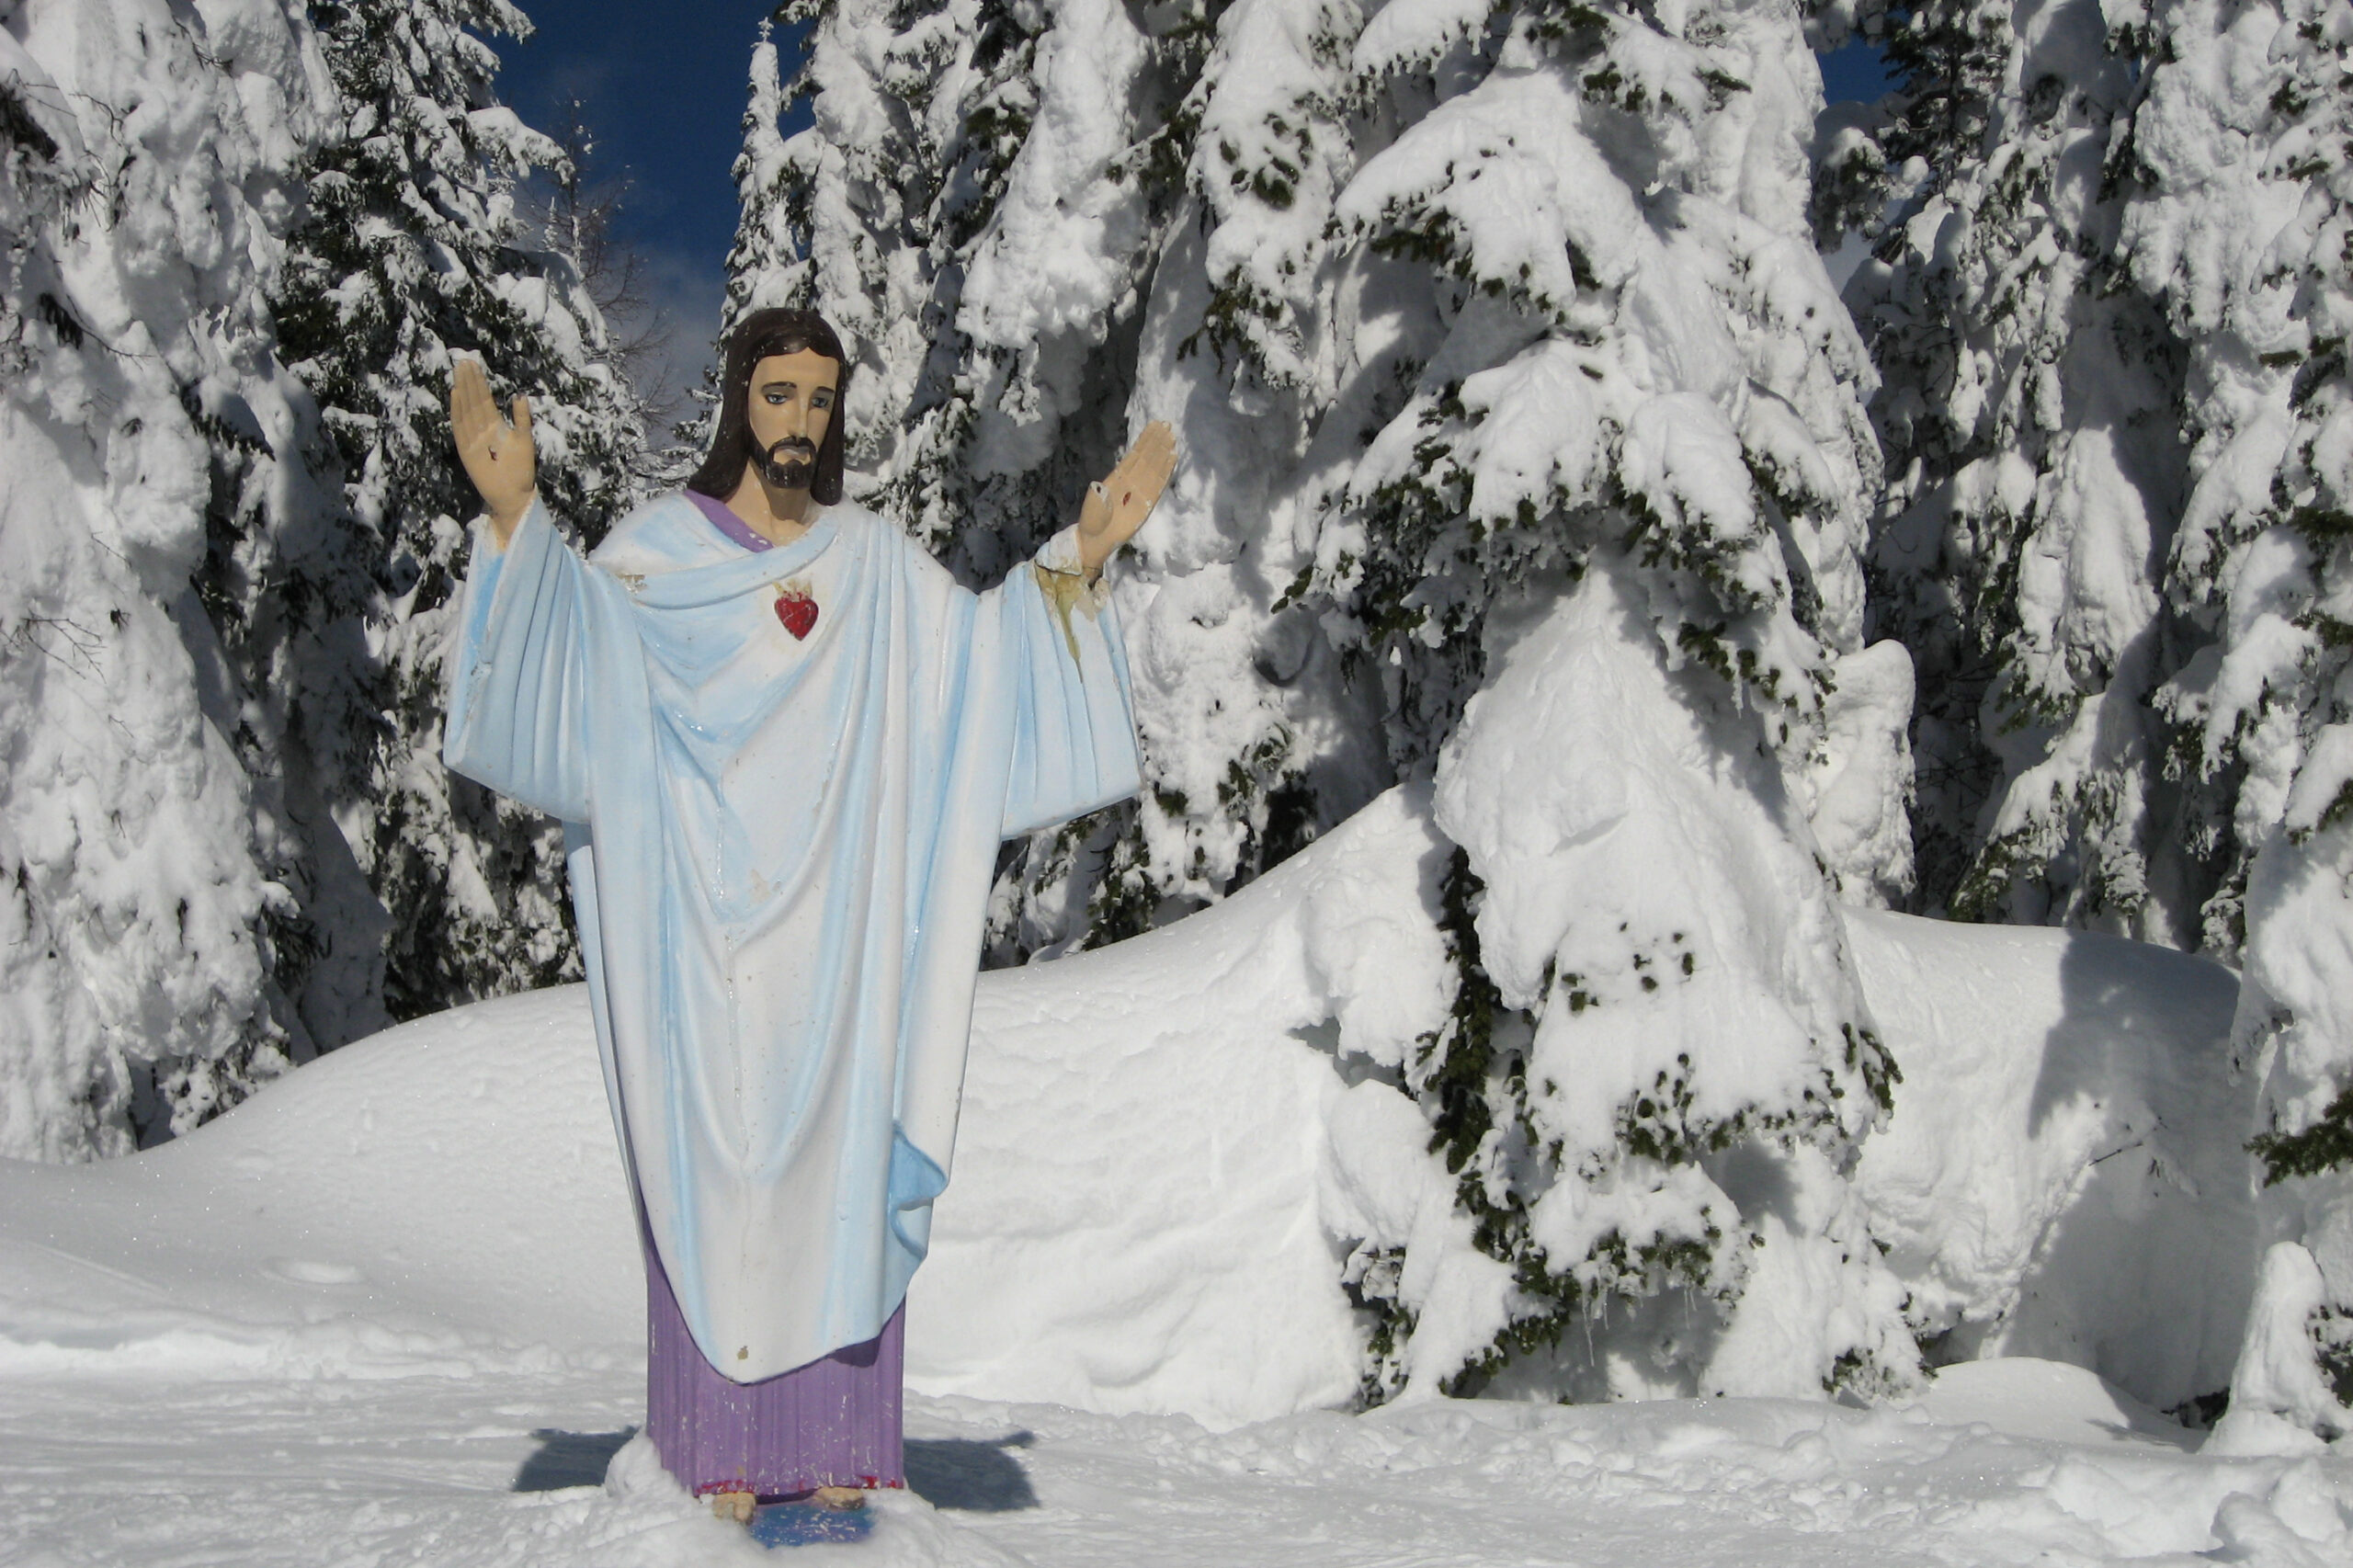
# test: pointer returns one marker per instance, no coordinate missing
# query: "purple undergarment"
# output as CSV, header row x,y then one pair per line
x,y
834,1422
727,522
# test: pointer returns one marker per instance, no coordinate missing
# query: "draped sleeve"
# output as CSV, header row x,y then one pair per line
x,y
516,696
1071,706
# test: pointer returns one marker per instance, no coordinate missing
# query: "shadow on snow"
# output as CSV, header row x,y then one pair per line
x,y
960,1474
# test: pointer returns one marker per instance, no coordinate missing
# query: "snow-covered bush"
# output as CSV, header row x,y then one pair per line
x,y
1505,365
157,941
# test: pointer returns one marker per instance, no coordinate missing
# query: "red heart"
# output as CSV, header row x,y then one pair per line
x,y
799,613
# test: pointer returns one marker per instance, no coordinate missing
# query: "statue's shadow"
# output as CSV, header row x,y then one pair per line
x,y
963,1473
570,1459
968,1474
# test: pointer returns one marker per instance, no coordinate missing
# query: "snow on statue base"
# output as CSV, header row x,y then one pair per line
x,y
806,1524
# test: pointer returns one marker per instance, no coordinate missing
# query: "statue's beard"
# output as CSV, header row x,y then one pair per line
x,y
791,464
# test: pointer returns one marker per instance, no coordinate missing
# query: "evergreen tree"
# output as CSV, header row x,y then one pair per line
x,y
1619,491
167,926
2241,163
763,265
1512,316
2111,316
2029,418
416,252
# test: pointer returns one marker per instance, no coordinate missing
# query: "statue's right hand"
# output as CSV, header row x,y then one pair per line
x,y
498,456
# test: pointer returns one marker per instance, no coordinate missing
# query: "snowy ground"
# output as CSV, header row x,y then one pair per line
x,y
388,1311
2007,1461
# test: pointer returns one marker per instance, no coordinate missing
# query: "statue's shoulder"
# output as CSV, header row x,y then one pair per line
x,y
664,534
877,534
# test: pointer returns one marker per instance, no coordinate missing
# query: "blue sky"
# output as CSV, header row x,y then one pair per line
x,y
662,88
1859,71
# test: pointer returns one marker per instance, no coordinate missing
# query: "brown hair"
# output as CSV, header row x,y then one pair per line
x,y
761,335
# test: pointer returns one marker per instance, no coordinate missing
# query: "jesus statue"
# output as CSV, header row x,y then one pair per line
x,y
785,746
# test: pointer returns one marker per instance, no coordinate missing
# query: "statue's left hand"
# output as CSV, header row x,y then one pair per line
x,y
1115,509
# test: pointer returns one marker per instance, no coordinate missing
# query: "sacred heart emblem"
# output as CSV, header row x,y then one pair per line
x,y
797,609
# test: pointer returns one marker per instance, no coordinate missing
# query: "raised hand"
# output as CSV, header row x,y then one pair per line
x,y
497,455
1116,506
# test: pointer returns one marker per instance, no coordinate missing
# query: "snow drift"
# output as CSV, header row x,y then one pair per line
x,y
1169,1147
2064,1175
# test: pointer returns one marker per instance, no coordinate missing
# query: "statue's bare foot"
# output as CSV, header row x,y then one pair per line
x,y
841,1498
732,1507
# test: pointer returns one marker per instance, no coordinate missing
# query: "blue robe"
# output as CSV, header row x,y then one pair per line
x,y
780,853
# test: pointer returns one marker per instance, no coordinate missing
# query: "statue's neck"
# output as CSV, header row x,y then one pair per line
x,y
776,514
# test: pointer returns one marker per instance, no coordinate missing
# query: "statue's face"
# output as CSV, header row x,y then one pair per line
x,y
791,404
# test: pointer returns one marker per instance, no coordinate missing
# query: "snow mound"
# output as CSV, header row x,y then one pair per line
x,y
445,1194
2065,1174
2047,1401
1162,1156
1167,1149
1155,1149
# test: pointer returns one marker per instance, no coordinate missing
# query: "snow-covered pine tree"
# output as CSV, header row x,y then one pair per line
x,y
414,253
2028,411
2111,307
1619,491
159,926
2240,161
771,236
1460,311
